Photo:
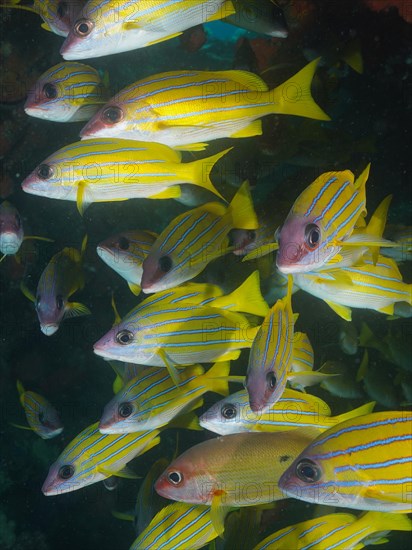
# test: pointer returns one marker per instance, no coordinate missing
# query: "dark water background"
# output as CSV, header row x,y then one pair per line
x,y
370,122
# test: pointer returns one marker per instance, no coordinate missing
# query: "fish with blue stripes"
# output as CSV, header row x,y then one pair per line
x,y
337,532
195,238
321,219
58,16
41,416
363,463
186,331
178,526
294,410
105,170
125,253
152,399
185,109
92,456
106,27
270,358
67,92
61,278
369,285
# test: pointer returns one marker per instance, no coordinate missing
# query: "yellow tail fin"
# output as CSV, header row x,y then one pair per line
x,y
246,298
198,172
294,97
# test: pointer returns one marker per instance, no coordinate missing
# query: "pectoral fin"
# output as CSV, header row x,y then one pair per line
x,y
75,309
124,472
343,311
261,251
218,512
136,289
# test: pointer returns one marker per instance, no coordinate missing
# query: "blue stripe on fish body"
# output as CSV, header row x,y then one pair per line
x,y
329,206
319,196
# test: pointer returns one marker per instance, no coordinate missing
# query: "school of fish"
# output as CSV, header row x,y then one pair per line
x,y
275,439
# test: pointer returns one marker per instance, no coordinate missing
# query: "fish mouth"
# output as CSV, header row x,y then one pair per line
x,y
105,253
108,427
9,244
49,329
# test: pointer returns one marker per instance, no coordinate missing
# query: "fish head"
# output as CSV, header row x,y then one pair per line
x,y
312,480
51,308
243,241
121,343
49,99
60,16
119,415
88,35
11,229
185,481
302,245
264,389
125,253
64,476
48,180
161,271
109,121
228,415
49,422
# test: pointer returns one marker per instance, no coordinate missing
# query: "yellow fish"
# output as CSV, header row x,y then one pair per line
x,y
93,457
61,278
187,330
67,92
322,217
58,16
363,463
106,27
368,285
41,416
117,170
183,108
195,238
178,525
337,531
293,410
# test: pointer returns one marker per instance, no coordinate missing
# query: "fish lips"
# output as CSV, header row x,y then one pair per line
x,y
74,48
9,243
49,328
94,128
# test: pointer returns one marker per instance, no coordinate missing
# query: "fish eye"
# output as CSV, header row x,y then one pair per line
x,y
112,114
277,234
62,9
312,235
175,478
308,471
83,27
38,301
41,417
125,409
124,243
59,301
228,411
50,90
44,171
17,219
165,264
271,380
251,234
124,337
66,471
